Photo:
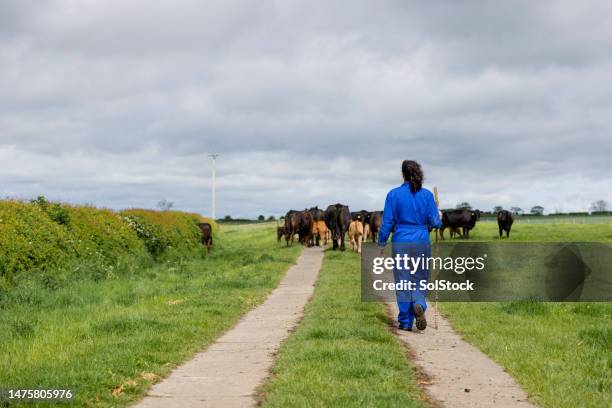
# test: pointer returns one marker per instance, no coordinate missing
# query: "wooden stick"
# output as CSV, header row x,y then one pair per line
x,y
437,230
436,253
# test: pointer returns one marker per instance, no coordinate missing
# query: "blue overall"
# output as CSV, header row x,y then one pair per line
x,y
409,215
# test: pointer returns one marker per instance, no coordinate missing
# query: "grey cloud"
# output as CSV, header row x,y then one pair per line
x,y
118,103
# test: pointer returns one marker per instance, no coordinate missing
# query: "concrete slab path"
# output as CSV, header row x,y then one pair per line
x,y
455,373
228,373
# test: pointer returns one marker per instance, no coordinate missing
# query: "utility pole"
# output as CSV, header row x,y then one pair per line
x,y
214,176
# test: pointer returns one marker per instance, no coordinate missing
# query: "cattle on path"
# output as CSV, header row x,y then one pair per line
x,y
319,233
337,219
303,220
319,229
364,217
206,230
375,223
317,214
504,222
355,233
291,226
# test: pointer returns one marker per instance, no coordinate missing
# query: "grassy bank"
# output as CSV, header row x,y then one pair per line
x,y
560,353
342,354
110,339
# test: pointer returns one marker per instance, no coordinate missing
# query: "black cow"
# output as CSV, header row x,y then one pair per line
x,y
291,226
338,219
363,216
317,215
375,223
504,222
206,230
459,219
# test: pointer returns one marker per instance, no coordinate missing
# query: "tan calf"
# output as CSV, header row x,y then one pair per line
x,y
355,235
366,232
319,231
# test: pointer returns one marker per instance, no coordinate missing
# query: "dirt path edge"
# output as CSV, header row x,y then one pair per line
x,y
453,372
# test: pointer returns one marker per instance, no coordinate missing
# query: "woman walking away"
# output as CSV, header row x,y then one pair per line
x,y
410,211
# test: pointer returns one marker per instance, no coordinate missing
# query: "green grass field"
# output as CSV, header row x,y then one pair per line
x,y
109,340
560,353
522,232
343,353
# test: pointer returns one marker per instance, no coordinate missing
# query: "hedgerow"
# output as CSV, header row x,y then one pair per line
x,y
166,233
39,236
30,239
104,234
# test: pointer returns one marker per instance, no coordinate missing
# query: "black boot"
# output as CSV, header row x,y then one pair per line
x,y
421,322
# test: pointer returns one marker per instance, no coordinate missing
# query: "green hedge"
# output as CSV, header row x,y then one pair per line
x,y
30,239
166,232
43,236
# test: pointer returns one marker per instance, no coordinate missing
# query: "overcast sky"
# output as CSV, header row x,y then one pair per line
x,y
118,103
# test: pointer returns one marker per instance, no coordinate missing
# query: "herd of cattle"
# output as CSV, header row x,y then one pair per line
x,y
317,227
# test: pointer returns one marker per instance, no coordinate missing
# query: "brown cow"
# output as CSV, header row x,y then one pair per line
x,y
364,217
317,217
303,219
375,223
355,233
206,230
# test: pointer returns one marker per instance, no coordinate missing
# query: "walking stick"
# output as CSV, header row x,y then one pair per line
x,y
436,253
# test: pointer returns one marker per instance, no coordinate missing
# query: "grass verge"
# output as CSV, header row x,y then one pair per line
x,y
109,340
560,353
342,354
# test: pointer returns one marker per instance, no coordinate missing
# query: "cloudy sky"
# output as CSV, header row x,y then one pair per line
x,y
118,103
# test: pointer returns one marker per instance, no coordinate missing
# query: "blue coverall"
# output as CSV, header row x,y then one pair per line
x,y
409,215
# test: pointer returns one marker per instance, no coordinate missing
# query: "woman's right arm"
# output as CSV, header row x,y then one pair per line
x,y
387,222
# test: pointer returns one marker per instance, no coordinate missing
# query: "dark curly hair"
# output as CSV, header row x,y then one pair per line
x,y
413,174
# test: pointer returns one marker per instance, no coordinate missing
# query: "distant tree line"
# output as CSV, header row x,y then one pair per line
x,y
598,207
261,218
